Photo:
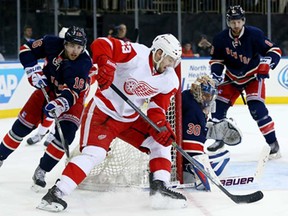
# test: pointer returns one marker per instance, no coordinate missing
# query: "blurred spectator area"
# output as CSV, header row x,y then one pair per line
x,y
159,6
155,17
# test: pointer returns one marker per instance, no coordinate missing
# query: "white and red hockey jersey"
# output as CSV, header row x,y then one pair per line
x,y
136,77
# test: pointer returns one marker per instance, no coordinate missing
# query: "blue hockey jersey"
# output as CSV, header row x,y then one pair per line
x,y
193,124
66,78
241,56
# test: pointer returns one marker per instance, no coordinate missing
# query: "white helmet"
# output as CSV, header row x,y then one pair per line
x,y
169,45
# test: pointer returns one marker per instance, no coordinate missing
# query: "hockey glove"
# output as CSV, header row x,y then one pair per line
x,y
264,67
106,70
166,136
36,77
56,107
217,79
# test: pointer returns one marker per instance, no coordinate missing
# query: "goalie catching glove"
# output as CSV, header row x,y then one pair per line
x,y
56,107
166,135
225,130
36,77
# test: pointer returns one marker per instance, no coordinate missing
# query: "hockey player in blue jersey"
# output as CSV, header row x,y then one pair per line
x,y
197,104
64,77
244,55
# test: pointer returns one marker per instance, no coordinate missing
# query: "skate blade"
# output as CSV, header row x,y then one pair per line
x,y
275,156
53,207
158,201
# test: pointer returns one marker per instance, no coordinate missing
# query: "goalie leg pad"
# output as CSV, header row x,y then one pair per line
x,y
200,181
219,161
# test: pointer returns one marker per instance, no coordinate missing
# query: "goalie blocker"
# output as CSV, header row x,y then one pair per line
x,y
224,132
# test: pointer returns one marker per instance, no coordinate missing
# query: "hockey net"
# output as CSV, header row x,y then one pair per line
x,y
126,166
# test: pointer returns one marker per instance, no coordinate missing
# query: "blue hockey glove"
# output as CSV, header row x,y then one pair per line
x,y
56,107
36,77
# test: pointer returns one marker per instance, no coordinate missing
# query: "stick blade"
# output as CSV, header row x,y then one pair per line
x,y
249,198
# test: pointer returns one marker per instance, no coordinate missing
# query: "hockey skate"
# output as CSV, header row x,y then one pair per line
x,y
35,139
52,201
216,145
49,139
163,198
275,151
38,179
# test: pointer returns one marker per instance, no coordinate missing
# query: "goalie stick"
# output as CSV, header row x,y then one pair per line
x,y
248,198
247,179
236,180
57,123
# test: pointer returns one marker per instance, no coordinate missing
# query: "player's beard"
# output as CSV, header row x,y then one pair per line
x,y
236,31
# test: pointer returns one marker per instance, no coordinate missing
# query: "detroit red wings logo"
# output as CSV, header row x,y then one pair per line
x,y
141,89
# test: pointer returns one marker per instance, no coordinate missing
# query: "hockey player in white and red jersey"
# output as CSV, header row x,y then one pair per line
x,y
142,74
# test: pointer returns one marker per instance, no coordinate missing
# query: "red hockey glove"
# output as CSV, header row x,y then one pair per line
x,y
264,67
36,77
56,107
166,136
106,70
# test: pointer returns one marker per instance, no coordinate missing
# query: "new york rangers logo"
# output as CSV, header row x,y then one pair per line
x,y
141,89
283,77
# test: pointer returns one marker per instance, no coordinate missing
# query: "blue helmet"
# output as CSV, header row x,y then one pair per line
x,y
235,12
76,35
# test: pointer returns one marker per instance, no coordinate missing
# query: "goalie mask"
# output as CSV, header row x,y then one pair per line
x,y
170,47
204,91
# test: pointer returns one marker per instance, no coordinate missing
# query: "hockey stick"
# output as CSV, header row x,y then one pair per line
x,y
249,198
57,123
241,180
227,82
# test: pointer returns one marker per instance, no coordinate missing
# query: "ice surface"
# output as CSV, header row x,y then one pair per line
x,y
16,197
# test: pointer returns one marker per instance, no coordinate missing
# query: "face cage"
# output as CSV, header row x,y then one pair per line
x,y
209,94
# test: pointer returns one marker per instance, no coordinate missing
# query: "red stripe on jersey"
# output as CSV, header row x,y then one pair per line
x,y
268,128
110,105
10,143
160,164
47,122
24,48
277,50
192,146
239,80
54,151
74,172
